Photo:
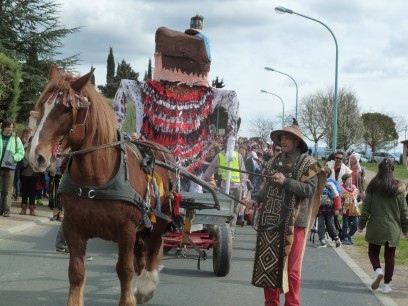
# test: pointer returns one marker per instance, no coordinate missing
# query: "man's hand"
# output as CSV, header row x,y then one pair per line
x,y
278,178
406,235
360,230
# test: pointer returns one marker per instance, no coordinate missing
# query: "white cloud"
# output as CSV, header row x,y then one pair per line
x,y
248,35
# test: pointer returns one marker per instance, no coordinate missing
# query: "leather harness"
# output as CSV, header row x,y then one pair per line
x,y
118,188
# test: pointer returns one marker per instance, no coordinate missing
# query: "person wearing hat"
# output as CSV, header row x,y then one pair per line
x,y
287,205
357,173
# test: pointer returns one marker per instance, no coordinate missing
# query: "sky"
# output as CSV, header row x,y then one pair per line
x,y
246,36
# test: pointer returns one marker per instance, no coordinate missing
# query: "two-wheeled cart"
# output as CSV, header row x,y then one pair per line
x,y
205,227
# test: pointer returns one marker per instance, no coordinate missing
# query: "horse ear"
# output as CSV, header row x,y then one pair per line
x,y
54,72
81,82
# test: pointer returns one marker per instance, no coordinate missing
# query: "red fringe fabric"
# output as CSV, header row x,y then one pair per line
x,y
177,116
177,202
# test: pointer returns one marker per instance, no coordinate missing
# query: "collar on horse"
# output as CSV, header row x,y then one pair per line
x,y
119,188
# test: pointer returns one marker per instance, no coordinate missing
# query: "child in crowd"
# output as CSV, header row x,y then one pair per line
x,y
350,208
328,210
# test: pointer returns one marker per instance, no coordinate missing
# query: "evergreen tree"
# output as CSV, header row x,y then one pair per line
x,y
110,67
123,71
31,34
149,70
217,83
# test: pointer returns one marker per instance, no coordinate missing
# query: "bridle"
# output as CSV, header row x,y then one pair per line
x,y
77,103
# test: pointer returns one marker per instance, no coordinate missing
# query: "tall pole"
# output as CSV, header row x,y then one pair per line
x,y
283,106
271,69
282,10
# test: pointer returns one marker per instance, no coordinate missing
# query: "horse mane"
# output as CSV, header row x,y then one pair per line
x,y
101,124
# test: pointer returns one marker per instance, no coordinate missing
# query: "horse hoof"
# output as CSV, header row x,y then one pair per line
x,y
142,299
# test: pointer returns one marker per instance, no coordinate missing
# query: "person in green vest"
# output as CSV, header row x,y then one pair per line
x,y
11,152
238,179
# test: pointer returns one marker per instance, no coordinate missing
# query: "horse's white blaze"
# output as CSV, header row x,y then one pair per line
x,y
35,140
147,282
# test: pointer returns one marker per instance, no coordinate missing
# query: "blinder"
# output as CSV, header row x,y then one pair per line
x,y
76,102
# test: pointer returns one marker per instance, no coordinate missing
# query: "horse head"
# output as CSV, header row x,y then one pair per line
x,y
61,108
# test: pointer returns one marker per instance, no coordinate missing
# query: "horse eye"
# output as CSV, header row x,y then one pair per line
x,y
66,110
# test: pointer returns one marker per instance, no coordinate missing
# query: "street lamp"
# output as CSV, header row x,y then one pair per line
x,y
283,10
271,69
283,106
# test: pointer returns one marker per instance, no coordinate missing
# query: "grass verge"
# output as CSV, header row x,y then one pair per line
x,y
401,253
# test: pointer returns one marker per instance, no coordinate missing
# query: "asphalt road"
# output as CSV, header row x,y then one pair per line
x,y
32,273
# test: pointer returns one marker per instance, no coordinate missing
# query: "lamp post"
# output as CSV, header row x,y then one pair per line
x,y
283,10
283,106
271,69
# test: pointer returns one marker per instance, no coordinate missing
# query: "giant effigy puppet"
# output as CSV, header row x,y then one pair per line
x,y
174,107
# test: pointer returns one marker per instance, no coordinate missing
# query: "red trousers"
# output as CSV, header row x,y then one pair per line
x,y
292,297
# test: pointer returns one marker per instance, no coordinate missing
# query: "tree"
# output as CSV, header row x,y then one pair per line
x,y
217,83
148,73
309,120
123,71
110,67
31,34
10,74
349,128
261,127
349,124
379,131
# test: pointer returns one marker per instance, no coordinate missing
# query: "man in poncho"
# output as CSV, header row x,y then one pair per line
x,y
289,201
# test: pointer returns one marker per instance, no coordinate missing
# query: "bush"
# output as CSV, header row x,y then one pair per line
x,y
10,75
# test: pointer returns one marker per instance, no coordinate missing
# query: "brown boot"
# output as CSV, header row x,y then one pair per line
x,y
32,212
23,209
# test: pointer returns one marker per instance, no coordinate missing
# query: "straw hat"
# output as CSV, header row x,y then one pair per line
x,y
293,130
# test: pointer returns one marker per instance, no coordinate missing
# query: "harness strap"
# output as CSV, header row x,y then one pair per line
x,y
119,188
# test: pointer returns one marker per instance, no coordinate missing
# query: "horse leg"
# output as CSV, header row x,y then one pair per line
x,y
147,265
125,267
76,271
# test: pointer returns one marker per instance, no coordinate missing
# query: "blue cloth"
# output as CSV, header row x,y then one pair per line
x,y
206,43
328,191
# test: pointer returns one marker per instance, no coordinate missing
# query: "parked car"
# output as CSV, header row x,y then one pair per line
x,y
363,159
379,156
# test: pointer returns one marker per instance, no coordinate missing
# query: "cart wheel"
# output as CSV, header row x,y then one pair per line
x,y
211,231
222,251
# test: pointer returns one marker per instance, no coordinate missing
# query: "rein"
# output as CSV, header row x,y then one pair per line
x,y
171,167
96,148
107,145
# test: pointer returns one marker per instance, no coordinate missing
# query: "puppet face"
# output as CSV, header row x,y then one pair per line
x,y
180,57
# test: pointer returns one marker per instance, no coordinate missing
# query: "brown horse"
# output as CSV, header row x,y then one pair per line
x,y
74,114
